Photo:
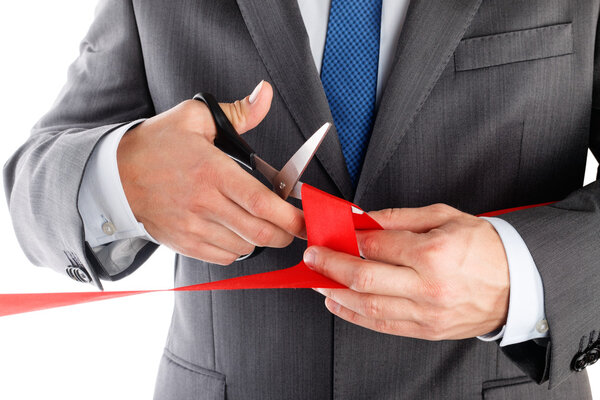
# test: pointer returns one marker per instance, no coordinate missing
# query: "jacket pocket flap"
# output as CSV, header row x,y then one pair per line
x,y
511,47
179,379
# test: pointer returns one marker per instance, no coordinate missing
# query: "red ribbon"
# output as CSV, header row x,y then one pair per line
x,y
508,210
330,222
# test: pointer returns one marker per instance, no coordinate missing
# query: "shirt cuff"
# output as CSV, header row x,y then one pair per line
x,y
106,214
526,319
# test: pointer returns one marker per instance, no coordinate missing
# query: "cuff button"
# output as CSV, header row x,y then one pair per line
x,y
542,326
78,274
579,362
592,356
108,228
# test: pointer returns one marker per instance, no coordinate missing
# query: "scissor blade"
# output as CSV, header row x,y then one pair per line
x,y
296,191
264,168
286,182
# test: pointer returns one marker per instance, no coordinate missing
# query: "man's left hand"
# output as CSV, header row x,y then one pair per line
x,y
434,273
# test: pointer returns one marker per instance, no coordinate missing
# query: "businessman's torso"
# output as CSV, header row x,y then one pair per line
x,y
487,107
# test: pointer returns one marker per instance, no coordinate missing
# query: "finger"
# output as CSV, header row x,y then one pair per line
x,y
417,220
220,236
391,247
243,114
259,201
374,306
252,229
363,276
391,327
206,252
247,113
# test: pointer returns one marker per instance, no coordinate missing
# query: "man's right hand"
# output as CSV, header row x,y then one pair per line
x,y
192,197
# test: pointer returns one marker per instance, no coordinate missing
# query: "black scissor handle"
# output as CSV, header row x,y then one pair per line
x,y
227,139
231,143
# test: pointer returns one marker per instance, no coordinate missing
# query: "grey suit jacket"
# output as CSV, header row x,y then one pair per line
x,y
490,104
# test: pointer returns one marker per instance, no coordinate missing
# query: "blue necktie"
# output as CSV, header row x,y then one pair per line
x,y
349,74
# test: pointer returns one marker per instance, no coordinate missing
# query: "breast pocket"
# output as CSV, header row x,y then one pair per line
x,y
512,47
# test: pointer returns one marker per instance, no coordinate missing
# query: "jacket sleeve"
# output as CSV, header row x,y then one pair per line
x,y
106,88
564,241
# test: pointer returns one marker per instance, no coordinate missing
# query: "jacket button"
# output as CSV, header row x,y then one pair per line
x,y
78,274
579,362
592,356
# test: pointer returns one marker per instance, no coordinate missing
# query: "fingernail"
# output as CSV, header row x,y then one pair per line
x,y
332,305
255,92
319,290
309,257
303,234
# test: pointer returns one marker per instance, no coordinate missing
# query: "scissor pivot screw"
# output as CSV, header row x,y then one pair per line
x,y
281,185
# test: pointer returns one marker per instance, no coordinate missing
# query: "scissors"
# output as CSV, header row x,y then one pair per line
x,y
285,182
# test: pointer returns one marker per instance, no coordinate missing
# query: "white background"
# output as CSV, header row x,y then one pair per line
x,y
104,350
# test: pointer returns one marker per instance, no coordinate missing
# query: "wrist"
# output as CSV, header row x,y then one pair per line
x,y
497,257
129,153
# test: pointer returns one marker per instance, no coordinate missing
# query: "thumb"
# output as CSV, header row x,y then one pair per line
x,y
247,113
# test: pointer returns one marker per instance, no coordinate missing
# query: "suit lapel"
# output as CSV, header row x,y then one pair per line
x,y
431,32
278,32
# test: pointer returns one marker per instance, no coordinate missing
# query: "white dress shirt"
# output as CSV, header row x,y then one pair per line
x,y
115,235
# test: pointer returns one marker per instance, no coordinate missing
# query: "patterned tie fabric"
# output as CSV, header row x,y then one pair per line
x,y
349,74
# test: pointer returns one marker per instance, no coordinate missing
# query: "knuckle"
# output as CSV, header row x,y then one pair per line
x,y
394,214
436,319
282,241
190,247
362,279
435,292
372,307
442,209
296,222
189,106
264,236
237,115
388,217
383,325
435,333
225,260
230,259
246,248
205,174
425,258
190,109
389,214
429,317
439,330
448,298
437,246
188,228
386,213
431,326
257,204
194,116
354,317
443,323
371,246
198,208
